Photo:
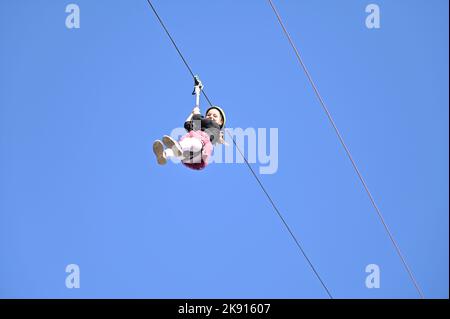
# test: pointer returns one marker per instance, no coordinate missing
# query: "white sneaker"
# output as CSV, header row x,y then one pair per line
x,y
158,149
170,143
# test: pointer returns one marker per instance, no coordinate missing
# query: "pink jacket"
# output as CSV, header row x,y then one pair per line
x,y
206,151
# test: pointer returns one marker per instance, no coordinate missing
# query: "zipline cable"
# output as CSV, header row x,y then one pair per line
x,y
176,47
246,161
330,118
284,222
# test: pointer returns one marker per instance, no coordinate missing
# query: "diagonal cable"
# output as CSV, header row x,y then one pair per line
x,y
330,118
246,161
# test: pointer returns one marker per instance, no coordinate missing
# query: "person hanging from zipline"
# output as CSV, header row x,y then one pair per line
x,y
203,132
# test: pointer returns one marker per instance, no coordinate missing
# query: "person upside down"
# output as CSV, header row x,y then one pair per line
x,y
195,148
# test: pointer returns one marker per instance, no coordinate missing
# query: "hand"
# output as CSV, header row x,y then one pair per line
x,y
196,110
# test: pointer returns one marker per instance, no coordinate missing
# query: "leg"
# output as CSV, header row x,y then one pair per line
x,y
168,153
192,150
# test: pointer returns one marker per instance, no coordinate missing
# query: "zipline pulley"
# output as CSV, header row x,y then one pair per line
x,y
198,87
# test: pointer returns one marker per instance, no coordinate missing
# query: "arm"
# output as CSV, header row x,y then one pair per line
x,y
195,111
193,122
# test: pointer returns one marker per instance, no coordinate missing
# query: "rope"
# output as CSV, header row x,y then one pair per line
x,y
246,161
283,220
330,118
176,47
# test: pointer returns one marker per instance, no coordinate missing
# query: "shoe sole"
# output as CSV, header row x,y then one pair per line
x,y
158,149
170,143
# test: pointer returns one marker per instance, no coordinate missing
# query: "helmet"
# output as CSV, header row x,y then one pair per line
x,y
222,113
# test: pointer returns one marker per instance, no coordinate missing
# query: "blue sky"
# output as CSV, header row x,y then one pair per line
x,y
79,184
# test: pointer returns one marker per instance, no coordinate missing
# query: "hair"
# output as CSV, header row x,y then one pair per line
x,y
222,138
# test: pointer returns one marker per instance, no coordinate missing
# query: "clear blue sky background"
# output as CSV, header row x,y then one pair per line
x,y
79,183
